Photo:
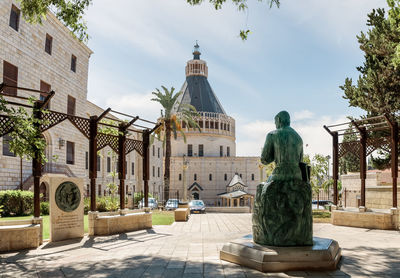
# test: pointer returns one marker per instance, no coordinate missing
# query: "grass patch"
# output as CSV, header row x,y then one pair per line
x,y
46,223
163,217
321,214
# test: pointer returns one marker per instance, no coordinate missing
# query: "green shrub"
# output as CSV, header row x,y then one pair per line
x,y
16,202
107,203
86,203
44,208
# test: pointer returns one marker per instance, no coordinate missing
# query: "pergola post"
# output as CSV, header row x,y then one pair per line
x,y
394,130
36,163
363,163
93,160
335,158
146,165
395,161
121,164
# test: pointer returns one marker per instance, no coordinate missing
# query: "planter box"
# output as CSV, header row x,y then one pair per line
x,y
109,223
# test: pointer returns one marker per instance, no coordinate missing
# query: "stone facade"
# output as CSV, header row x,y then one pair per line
x,y
25,49
378,190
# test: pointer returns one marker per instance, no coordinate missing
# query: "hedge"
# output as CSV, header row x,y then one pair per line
x,y
16,202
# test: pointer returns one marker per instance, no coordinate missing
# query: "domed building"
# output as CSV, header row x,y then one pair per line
x,y
207,162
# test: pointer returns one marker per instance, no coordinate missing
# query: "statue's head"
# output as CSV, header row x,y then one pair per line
x,y
282,119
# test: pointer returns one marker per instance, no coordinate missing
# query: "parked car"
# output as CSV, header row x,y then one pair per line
x,y
172,204
152,203
197,206
322,204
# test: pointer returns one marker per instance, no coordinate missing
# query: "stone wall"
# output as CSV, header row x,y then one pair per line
x,y
378,190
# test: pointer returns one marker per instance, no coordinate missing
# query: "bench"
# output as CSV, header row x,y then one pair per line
x,y
181,214
19,237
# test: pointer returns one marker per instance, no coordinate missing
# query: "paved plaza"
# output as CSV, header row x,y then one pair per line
x,y
191,249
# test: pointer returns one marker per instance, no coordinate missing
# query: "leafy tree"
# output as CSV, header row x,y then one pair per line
x,y
112,186
241,6
70,12
378,84
26,138
349,162
171,124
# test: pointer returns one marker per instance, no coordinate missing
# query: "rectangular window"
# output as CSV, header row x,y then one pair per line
x,y
154,150
154,171
70,152
73,63
86,160
180,177
252,177
190,150
158,172
98,163
49,44
133,168
221,151
14,18
10,77
210,177
71,105
158,152
201,150
44,87
228,151
195,177
6,145
108,164
225,177
99,189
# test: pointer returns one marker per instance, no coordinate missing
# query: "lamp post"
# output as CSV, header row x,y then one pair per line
x,y
184,166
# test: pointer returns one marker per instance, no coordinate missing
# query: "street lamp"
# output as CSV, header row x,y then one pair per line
x,y
184,166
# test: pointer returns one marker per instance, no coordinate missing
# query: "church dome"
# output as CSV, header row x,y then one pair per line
x,y
196,89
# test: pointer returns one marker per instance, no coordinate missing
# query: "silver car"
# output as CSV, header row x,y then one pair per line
x,y
152,203
197,206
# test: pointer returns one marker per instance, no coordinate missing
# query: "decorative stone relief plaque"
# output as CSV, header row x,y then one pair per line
x,y
68,196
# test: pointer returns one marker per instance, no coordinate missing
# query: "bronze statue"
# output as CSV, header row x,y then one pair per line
x,y
282,211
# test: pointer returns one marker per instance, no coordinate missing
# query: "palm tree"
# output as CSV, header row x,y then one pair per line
x,y
171,123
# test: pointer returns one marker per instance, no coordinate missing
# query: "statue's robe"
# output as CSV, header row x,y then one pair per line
x,y
282,211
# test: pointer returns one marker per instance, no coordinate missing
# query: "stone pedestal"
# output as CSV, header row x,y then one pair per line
x,y
66,206
323,255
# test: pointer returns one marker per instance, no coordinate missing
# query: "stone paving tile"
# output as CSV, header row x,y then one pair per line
x,y
191,249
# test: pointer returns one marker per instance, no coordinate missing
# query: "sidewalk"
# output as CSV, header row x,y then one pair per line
x,y
191,249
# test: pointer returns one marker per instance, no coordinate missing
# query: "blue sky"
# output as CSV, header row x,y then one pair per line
x,y
295,59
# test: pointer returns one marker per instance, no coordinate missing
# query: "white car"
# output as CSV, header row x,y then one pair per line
x,y
152,203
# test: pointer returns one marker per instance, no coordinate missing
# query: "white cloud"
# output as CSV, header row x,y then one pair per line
x,y
353,14
250,135
302,115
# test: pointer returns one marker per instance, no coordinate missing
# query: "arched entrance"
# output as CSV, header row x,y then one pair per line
x,y
44,193
194,190
195,195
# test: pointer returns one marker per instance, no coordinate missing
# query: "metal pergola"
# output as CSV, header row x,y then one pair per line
x,y
122,144
373,133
